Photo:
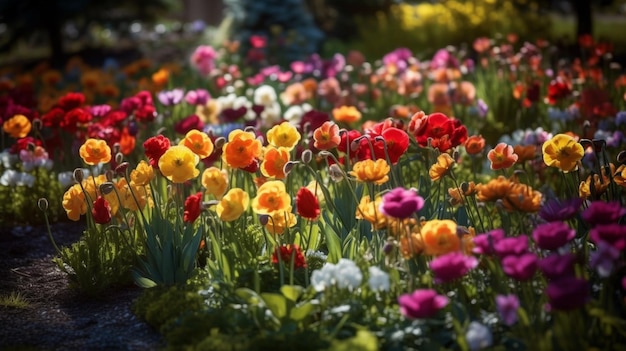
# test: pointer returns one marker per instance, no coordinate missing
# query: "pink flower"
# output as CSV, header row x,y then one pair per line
x,y
567,294
422,303
520,267
484,243
613,234
553,235
203,59
401,203
511,246
452,266
558,266
507,306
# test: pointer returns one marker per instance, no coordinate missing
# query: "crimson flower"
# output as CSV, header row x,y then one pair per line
x,y
155,147
307,205
189,123
192,207
288,253
101,211
558,90
71,100
442,131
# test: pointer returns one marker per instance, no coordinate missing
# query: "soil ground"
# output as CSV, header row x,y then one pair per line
x,y
58,317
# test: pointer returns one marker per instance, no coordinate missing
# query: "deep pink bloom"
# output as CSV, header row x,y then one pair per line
x,y
560,210
507,306
452,266
185,125
567,294
600,212
401,203
558,266
553,235
511,246
521,267
604,259
197,97
203,59
422,303
614,234
101,211
484,243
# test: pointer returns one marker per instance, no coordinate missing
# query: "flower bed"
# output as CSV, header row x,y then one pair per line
x,y
472,200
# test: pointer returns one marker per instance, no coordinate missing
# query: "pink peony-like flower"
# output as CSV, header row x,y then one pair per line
x,y
553,235
452,266
521,267
484,243
422,303
401,203
511,246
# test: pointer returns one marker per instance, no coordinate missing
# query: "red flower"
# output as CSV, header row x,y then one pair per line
x,y
443,132
558,90
192,207
145,113
101,211
22,144
346,142
53,118
114,117
187,124
307,205
155,148
397,143
287,253
71,100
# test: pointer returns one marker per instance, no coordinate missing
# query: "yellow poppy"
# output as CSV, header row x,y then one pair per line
x,y
274,162
271,197
283,135
233,205
371,171
142,174
562,152
441,168
178,164
74,202
94,151
215,181
439,237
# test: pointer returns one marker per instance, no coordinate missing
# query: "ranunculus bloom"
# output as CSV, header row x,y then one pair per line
x,y
187,124
193,206
233,205
451,266
326,136
562,152
178,164
274,160
613,234
553,235
155,147
371,171
307,205
271,197
502,156
401,203
101,211
94,151
198,142
521,267
283,135
440,237
474,144
558,266
511,246
17,126
441,167
567,293
422,303
346,114
74,202
507,306
142,174
484,243
289,254
441,131
241,149
370,211
602,212
215,181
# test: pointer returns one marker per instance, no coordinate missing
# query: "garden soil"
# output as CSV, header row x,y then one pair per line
x,y
58,317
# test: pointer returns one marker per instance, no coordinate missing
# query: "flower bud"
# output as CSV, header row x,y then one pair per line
x,y
324,154
116,149
79,175
264,219
288,167
208,204
37,125
250,129
621,157
106,188
306,156
465,187
121,168
585,143
335,172
109,175
599,144
30,147
43,204
119,158
219,142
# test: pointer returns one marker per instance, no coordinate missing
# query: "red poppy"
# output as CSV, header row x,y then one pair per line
x,y
558,90
346,142
71,100
155,148
307,205
114,117
442,131
22,144
101,211
397,143
193,205
145,113
53,118
187,124
287,253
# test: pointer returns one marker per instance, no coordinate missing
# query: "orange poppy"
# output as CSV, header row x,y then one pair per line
x,y
502,156
274,161
440,237
441,167
327,136
475,144
198,142
346,114
525,152
241,149
494,190
271,197
17,126
161,77
370,211
95,151
127,142
523,198
376,172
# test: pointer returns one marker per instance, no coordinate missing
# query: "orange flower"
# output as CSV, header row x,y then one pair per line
x,y
370,211
274,162
283,135
371,171
494,190
475,144
525,152
271,197
620,176
215,181
95,151
17,126
523,198
600,184
198,142
127,142
327,136
161,77
440,237
502,156
74,202
279,221
457,195
441,168
233,205
346,114
134,197
241,149
411,245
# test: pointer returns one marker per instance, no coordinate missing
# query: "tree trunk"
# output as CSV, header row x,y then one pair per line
x,y
584,17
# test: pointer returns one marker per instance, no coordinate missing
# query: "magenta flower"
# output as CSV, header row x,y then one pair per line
x,y
558,266
604,259
520,267
600,212
452,266
422,303
507,306
511,246
560,210
203,59
553,235
197,97
188,123
171,97
484,243
401,203
614,234
567,294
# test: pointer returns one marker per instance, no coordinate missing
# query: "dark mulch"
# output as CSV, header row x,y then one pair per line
x,y
58,317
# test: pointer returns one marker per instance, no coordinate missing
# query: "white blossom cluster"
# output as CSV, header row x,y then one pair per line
x,y
345,274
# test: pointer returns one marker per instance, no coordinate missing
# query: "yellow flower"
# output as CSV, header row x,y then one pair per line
x,y
126,192
274,162
285,135
370,211
142,174
74,202
562,152
279,221
441,168
178,164
233,205
620,176
198,142
215,181
371,171
95,151
347,114
440,237
17,126
271,197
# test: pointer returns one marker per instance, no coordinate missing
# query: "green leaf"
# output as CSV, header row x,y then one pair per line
x,y
143,281
362,341
301,312
276,303
333,243
292,292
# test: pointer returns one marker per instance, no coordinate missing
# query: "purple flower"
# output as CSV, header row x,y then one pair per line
x,y
567,293
553,235
171,97
600,212
511,246
520,267
484,243
507,306
482,108
398,58
478,336
452,266
613,234
603,260
443,59
560,210
558,266
620,118
422,303
197,97
401,203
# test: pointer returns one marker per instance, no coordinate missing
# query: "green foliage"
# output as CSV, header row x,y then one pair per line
x,y
14,300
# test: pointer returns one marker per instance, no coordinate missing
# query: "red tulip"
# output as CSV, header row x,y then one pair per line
x,y
193,205
101,211
307,205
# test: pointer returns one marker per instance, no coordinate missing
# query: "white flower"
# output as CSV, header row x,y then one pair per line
x,y
66,179
7,159
265,95
271,114
323,278
9,177
478,336
26,179
348,275
227,101
294,114
379,279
